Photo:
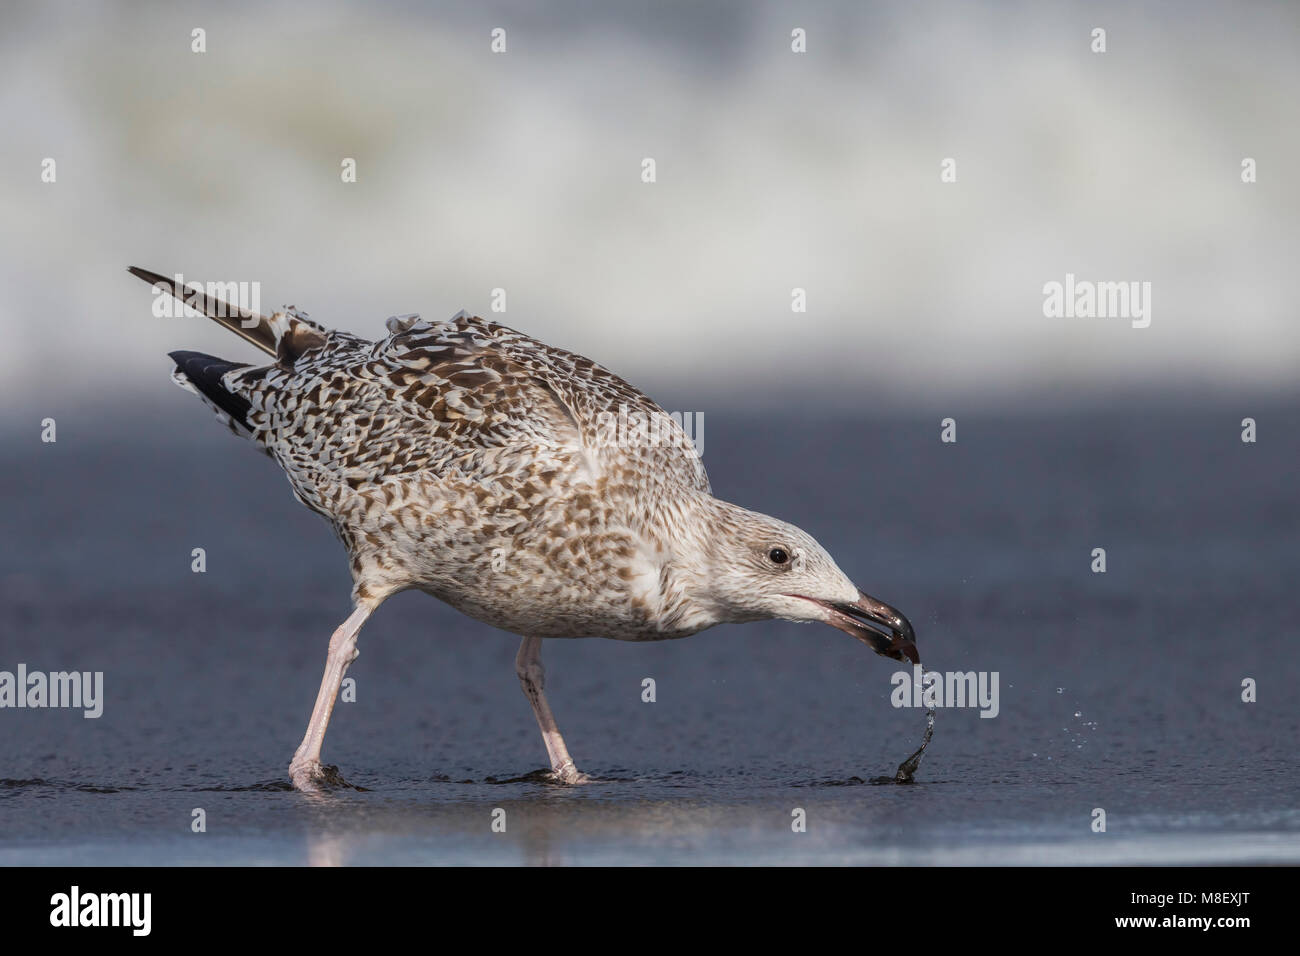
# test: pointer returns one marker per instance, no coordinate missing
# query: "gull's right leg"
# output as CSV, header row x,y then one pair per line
x,y
305,771
532,678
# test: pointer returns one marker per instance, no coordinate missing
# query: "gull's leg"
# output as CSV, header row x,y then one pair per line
x,y
532,678
305,771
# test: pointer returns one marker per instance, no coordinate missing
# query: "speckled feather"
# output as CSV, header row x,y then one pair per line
x,y
469,461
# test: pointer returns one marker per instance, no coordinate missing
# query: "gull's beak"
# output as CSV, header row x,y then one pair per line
x,y
877,625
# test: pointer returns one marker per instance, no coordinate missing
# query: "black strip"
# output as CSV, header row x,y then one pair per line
x,y
205,371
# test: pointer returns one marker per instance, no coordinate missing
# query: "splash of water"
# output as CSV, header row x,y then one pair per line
x,y
907,769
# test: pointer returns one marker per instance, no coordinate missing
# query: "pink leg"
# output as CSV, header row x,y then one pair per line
x,y
305,771
532,678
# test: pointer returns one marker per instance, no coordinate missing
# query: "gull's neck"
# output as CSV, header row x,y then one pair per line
x,y
690,541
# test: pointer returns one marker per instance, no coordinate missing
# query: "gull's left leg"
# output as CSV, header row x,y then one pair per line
x,y
532,678
306,771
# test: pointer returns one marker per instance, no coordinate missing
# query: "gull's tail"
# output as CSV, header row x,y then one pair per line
x,y
286,334
247,325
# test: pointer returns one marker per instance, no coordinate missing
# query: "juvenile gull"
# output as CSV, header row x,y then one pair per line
x,y
476,464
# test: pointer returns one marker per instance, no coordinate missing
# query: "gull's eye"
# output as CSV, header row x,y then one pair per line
x,y
778,556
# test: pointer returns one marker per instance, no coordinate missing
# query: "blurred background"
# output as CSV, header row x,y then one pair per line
x,y
775,171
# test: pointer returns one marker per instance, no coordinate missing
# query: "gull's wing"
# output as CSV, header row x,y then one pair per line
x,y
465,399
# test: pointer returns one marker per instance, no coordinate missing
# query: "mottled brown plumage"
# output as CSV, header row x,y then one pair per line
x,y
525,485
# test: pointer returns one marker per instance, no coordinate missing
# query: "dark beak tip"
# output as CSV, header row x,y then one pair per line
x,y
900,644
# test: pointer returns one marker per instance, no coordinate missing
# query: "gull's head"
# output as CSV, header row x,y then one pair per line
x,y
759,568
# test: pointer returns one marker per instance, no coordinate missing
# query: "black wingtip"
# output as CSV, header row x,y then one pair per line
x,y
205,372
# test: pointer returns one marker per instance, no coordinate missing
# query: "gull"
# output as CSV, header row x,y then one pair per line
x,y
519,483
